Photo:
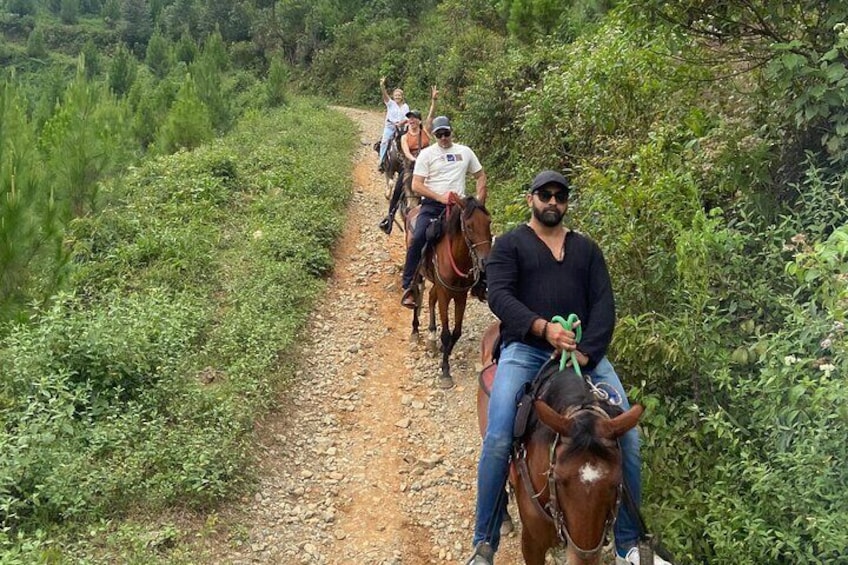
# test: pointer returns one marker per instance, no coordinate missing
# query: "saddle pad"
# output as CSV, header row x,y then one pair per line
x,y
487,378
524,407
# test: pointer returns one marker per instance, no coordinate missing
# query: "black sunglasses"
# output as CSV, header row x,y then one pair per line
x,y
442,133
561,196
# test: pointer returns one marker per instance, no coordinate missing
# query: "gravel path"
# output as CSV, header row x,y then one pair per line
x,y
366,461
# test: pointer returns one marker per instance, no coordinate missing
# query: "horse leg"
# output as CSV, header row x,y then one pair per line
x,y
431,338
533,552
448,339
389,175
507,525
458,314
414,337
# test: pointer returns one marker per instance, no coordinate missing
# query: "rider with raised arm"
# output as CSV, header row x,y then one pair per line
x,y
440,170
396,110
536,271
413,141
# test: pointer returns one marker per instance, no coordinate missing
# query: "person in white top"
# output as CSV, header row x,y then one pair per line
x,y
396,110
439,170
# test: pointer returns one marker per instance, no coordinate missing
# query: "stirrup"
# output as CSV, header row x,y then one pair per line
x,y
483,555
408,298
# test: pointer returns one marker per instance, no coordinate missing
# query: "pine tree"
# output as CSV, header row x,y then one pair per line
x,y
83,142
208,72
138,25
276,85
180,17
23,202
188,124
92,58
158,55
149,100
215,51
186,50
122,71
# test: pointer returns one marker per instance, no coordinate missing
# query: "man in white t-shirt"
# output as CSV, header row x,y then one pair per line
x,y
439,170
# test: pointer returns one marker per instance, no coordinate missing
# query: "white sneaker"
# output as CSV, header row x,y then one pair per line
x,y
632,558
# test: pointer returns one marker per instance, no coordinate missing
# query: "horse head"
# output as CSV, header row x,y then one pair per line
x,y
475,223
583,459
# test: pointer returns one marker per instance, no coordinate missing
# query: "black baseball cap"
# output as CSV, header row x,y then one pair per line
x,y
549,177
413,113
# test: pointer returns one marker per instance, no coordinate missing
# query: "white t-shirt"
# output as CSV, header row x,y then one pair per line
x,y
444,170
394,113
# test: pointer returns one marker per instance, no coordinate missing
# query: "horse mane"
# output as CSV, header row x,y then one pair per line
x,y
566,389
472,204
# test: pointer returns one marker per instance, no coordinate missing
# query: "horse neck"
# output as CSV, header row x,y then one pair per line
x,y
459,246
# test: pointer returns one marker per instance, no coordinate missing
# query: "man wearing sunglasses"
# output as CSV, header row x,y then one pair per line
x,y
539,270
440,169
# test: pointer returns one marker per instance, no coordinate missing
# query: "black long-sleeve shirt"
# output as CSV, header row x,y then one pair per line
x,y
526,282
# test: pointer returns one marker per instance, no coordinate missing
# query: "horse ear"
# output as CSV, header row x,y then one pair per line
x,y
551,418
622,423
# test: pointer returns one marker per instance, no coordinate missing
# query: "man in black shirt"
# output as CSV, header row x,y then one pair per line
x,y
537,271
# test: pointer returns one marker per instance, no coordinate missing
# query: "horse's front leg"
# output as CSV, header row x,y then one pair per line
x,y
507,525
414,336
533,552
431,339
458,314
448,339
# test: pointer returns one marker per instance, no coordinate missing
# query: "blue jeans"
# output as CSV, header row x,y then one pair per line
x,y
518,364
430,210
388,132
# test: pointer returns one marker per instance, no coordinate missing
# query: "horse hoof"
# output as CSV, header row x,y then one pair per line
x,y
414,338
446,382
507,527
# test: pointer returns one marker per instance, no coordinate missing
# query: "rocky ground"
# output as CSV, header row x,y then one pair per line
x,y
366,461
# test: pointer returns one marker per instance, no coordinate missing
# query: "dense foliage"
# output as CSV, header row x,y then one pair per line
x,y
707,142
140,388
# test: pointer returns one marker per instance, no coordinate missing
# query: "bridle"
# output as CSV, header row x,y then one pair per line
x,y
551,511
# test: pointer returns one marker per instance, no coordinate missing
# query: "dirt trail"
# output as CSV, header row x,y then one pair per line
x,y
365,460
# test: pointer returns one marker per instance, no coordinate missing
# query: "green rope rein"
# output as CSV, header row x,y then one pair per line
x,y
578,333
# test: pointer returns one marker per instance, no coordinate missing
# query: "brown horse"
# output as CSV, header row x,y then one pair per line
x,y
567,472
454,265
